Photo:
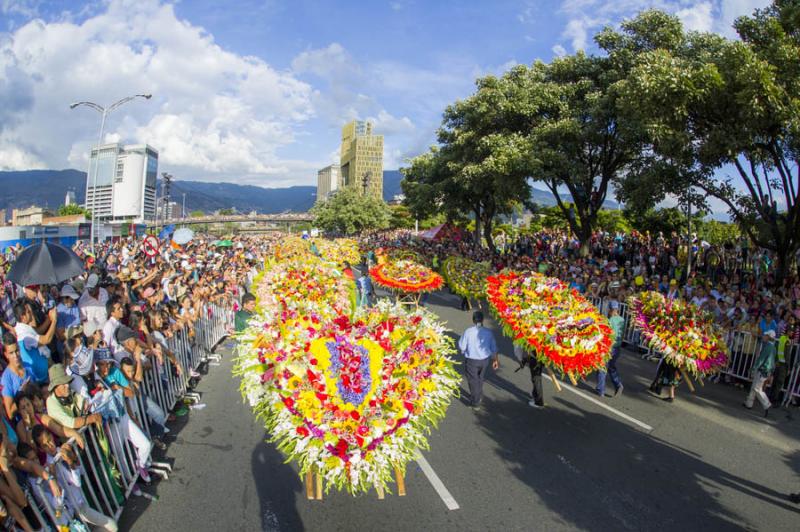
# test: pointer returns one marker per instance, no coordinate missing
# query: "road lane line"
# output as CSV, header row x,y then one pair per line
x,y
436,482
601,404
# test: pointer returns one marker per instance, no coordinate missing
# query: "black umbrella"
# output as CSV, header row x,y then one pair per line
x,y
45,263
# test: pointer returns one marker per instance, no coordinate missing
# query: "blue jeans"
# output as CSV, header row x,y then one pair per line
x,y
611,370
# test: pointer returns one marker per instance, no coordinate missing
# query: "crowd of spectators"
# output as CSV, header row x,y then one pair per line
x,y
734,282
69,348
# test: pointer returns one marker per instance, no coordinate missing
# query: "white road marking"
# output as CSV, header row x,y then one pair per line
x,y
601,404
436,482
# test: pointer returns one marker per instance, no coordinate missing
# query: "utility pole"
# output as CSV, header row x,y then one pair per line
x,y
166,187
365,181
104,112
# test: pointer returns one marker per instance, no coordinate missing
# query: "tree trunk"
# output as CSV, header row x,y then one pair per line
x,y
784,256
478,227
487,234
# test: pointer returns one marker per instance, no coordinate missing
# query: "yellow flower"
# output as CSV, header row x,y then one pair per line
x,y
293,383
403,385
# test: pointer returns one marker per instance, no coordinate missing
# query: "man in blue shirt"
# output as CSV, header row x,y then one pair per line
x,y
478,345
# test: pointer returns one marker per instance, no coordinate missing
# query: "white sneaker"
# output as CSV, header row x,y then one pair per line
x,y
198,406
534,404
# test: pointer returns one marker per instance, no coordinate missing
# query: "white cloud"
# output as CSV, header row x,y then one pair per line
x,y
214,113
559,50
697,18
587,17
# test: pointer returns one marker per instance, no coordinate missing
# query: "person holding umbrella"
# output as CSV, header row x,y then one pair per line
x,y
32,345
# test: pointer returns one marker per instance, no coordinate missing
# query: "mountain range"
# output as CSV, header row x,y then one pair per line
x,y
48,188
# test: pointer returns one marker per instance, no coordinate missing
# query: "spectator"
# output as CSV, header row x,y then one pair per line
x,y
243,316
33,346
92,303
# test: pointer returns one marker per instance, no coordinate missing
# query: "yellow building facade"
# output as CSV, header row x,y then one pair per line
x,y
361,164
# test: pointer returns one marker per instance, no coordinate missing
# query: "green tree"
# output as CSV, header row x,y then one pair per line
x,y
196,214
666,220
711,104
564,123
226,212
73,209
475,171
717,233
401,217
349,212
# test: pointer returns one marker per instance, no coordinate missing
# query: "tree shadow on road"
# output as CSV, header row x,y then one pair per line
x,y
278,485
598,473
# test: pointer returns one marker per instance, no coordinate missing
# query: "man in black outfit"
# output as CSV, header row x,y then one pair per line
x,y
536,368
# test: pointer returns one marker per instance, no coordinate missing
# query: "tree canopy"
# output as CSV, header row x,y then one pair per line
x,y
348,212
723,116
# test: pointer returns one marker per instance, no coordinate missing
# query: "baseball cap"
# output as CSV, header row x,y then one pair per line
x,y
125,333
770,333
92,281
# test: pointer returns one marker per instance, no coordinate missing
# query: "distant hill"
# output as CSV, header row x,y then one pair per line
x,y
43,188
47,188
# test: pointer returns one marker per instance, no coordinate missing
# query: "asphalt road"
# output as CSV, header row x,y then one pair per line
x,y
700,463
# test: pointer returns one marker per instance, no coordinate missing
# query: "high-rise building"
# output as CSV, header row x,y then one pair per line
x,y
362,158
121,183
70,198
327,182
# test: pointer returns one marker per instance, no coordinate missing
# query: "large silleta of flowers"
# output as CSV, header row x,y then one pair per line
x,y
348,394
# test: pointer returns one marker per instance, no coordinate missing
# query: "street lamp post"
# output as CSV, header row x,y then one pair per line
x,y
104,112
183,206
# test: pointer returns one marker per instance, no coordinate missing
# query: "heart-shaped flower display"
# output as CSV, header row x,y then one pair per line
x,y
542,314
406,276
679,330
465,277
352,396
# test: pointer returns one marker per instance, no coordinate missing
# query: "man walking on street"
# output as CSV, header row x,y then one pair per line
x,y
762,370
617,323
478,345
536,367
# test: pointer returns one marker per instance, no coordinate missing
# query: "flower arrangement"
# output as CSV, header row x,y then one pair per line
x,y
543,315
397,254
291,247
352,396
465,277
339,250
680,331
406,276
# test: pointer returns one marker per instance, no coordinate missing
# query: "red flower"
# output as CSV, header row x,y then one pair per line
x,y
302,431
355,415
341,448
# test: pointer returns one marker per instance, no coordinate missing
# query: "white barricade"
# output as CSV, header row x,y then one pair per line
x,y
110,462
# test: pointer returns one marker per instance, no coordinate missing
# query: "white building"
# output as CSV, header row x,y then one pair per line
x,y
124,179
70,199
327,181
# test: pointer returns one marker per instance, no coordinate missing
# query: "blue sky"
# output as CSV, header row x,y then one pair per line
x,y
256,91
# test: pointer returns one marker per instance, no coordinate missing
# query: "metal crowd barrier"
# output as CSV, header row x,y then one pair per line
x,y
108,463
742,350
